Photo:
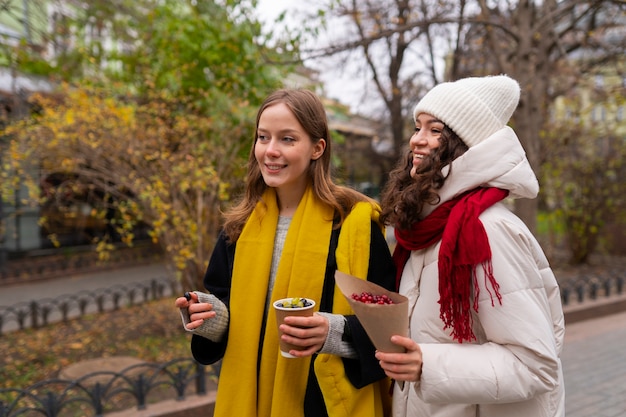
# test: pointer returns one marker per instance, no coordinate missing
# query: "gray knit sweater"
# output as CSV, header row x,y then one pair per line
x,y
215,328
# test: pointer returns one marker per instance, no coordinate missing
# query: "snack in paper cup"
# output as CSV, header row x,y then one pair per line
x,y
293,306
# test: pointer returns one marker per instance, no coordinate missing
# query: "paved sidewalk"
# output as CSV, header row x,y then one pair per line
x,y
11,294
594,365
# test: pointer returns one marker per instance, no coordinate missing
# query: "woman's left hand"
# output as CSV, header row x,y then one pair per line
x,y
308,332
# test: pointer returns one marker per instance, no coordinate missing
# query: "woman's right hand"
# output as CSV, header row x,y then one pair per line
x,y
198,312
405,366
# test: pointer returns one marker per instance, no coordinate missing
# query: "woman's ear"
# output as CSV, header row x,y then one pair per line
x,y
318,149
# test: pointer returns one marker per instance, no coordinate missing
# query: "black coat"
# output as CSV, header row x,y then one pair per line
x,y
361,371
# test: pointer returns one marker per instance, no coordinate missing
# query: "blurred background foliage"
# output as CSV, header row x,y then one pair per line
x,y
156,129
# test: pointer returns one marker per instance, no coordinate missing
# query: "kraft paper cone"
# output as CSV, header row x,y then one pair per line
x,y
380,321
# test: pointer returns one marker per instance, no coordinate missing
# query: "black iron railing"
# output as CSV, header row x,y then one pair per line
x,y
102,392
578,288
46,310
587,286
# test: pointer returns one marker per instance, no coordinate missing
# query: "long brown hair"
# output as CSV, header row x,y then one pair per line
x,y
310,113
404,197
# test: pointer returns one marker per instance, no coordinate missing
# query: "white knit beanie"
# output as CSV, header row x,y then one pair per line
x,y
474,108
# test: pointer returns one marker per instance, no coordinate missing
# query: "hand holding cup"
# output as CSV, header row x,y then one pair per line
x,y
285,307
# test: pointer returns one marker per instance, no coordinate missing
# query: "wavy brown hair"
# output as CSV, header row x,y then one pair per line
x,y
404,197
310,113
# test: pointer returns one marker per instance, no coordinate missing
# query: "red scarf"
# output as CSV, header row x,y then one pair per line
x,y
464,245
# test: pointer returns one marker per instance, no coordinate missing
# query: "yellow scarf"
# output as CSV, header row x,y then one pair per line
x,y
281,383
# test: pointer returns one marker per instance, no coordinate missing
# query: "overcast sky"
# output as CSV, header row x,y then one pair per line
x,y
337,85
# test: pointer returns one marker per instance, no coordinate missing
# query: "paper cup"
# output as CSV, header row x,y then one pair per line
x,y
281,313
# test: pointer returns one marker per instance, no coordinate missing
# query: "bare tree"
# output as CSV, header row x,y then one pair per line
x,y
393,45
408,46
538,43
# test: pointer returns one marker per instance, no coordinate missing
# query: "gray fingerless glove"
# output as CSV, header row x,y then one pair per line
x,y
214,328
334,344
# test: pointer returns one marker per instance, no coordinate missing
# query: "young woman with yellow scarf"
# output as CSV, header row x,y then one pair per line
x,y
288,235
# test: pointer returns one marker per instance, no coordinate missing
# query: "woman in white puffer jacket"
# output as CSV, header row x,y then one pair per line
x,y
486,322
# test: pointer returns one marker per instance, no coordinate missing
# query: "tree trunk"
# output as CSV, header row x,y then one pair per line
x,y
527,122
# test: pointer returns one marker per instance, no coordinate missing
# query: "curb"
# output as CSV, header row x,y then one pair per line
x,y
594,308
192,405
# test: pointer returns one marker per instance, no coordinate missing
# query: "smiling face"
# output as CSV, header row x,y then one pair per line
x,y
284,151
427,137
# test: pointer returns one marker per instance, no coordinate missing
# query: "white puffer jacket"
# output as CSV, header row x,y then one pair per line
x,y
513,369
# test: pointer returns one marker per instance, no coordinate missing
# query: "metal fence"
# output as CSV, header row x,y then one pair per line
x,y
581,287
102,392
47,310
588,286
